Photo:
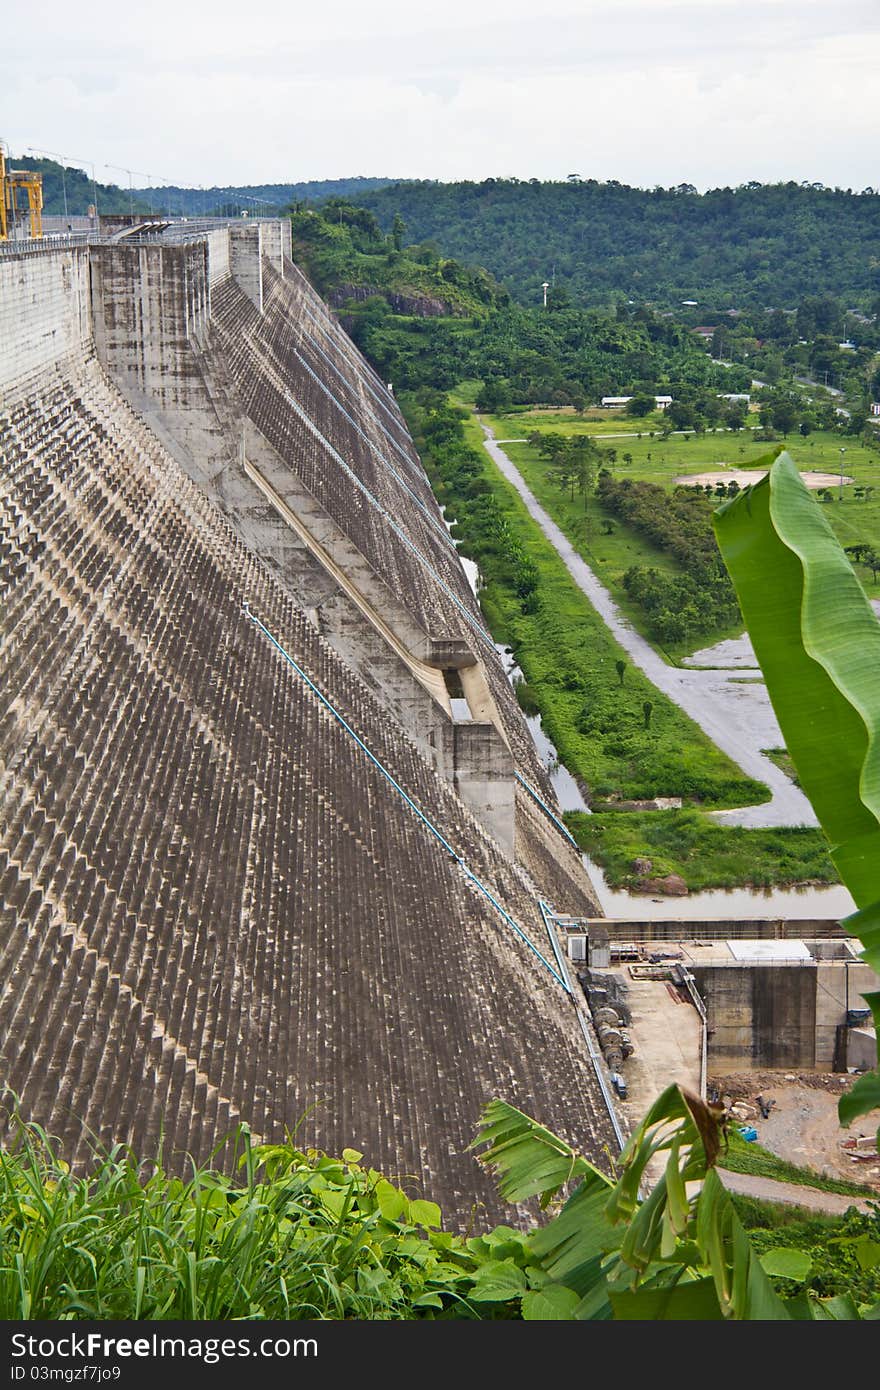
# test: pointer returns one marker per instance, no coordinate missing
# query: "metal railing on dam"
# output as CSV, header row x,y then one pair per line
x,y
151,232
32,246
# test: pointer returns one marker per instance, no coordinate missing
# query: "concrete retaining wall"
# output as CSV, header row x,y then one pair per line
x,y
45,313
760,1017
484,770
246,261
711,929
218,256
840,987
277,242
780,1016
148,304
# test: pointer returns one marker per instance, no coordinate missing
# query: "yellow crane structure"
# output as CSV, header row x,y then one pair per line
x,y
13,183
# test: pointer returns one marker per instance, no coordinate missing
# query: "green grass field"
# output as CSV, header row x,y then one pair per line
x,y
610,547
568,657
702,852
705,854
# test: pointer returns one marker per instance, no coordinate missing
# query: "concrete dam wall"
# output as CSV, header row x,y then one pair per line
x,y
254,863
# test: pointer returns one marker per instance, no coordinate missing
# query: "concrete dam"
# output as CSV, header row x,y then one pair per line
x,y
276,846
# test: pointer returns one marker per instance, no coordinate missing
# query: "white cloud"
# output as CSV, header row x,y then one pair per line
x,y
700,91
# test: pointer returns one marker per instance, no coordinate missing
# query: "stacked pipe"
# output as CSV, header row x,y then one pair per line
x,y
613,1040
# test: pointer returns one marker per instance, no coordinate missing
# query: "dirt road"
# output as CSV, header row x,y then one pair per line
x,y
791,1195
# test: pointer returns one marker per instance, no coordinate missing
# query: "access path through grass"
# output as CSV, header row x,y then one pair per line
x,y
610,546
752,1158
569,659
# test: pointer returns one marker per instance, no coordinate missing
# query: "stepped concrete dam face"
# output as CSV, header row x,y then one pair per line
x,y
276,846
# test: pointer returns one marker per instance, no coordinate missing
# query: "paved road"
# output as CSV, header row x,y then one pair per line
x,y
734,712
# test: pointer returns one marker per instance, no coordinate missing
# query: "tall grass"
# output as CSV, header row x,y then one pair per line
x,y
296,1234
705,854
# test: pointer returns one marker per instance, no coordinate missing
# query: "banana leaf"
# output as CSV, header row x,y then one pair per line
x,y
817,640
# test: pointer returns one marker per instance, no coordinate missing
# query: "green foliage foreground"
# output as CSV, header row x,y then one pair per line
x,y
296,1235
817,639
301,1235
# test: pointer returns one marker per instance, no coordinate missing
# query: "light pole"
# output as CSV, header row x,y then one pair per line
x,y
55,155
121,169
840,489
545,287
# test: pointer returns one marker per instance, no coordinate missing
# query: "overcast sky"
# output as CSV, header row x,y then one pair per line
x,y
648,92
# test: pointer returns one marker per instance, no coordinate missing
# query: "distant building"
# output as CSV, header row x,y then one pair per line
x,y
689,303
875,407
610,402
705,332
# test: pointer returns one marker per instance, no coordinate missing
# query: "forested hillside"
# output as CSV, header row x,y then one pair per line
x,y
350,260
753,245
426,319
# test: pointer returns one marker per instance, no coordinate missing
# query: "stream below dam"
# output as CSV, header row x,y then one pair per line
x,y
805,904
808,903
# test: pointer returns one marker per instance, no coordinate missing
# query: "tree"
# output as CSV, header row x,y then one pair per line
x,y
784,416
640,405
558,298
398,229
680,415
819,315
736,414
572,463
857,422
494,396
563,472
606,1253
857,551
